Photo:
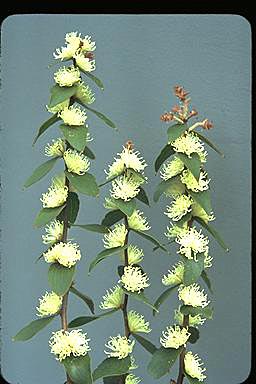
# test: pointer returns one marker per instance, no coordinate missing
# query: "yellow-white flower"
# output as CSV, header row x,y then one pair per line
x,y
174,337
56,148
131,379
124,188
115,237
193,366
66,254
198,211
174,276
191,295
133,279
49,304
58,107
192,183
113,299
171,168
67,343
137,323
175,230
67,76
54,232
84,94
128,158
135,254
133,365
119,346
73,115
73,42
84,63
138,222
192,242
179,207
207,260
76,162
193,320
87,45
188,144
55,196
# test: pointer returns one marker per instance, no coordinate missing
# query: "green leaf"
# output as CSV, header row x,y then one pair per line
x,y
194,335
127,207
193,311
140,297
85,184
88,152
151,348
163,187
82,320
163,297
208,142
93,227
96,80
53,119
192,163
75,135
60,94
150,238
175,131
103,254
162,361
102,117
88,301
213,232
192,380
112,380
184,219
72,207
60,278
165,153
40,172
79,369
46,215
207,281
120,270
193,269
112,366
112,217
32,329
108,180
142,196
203,199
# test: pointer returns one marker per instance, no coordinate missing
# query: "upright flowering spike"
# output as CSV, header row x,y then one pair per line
x,y
113,299
73,116
133,279
69,343
56,148
119,346
55,197
193,366
192,242
179,207
74,44
66,254
174,276
174,337
67,76
137,323
138,222
76,162
54,232
192,295
115,237
49,304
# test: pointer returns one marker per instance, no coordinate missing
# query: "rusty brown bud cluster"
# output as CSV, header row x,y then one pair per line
x,y
166,116
207,124
89,55
129,145
180,92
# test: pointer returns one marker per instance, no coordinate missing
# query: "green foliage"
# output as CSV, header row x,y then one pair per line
x,y
40,172
103,254
112,217
194,335
95,79
208,142
60,94
207,281
46,215
203,199
162,361
79,369
32,329
192,380
150,238
52,120
89,153
60,278
206,312
140,297
151,348
193,163
72,207
163,297
164,186
87,300
127,207
85,184
142,196
165,153
213,232
101,116
193,269
82,320
112,366
76,136
175,131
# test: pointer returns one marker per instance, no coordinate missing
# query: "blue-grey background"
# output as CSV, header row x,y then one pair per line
x,y
139,58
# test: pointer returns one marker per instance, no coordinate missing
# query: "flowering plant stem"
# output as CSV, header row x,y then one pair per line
x,y
126,263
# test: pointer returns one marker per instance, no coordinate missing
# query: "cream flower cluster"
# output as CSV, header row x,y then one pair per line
x,y
193,320
193,366
179,207
49,304
133,279
192,295
84,93
84,63
76,162
55,196
188,144
171,168
125,188
115,237
202,184
74,44
175,230
131,379
137,323
67,76
73,116
58,107
135,254
119,347
113,299
56,148
67,343
192,242
66,254
174,337
175,275
138,222
128,158
54,232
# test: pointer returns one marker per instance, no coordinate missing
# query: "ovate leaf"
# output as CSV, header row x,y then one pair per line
x,y
60,278
193,311
95,79
79,369
127,207
192,380
46,215
103,254
208,142
53,119
88,300
166,152
72,207
102,117
112,217
203,199
163,297
162,361
151,239
142,196
213,232
82,320
151,348
193,269
175,131
164,186
192,163
194,335
60,94
89,153
112,366
85,184
206,279
93,227
75,135
32,329
140,297
40,172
